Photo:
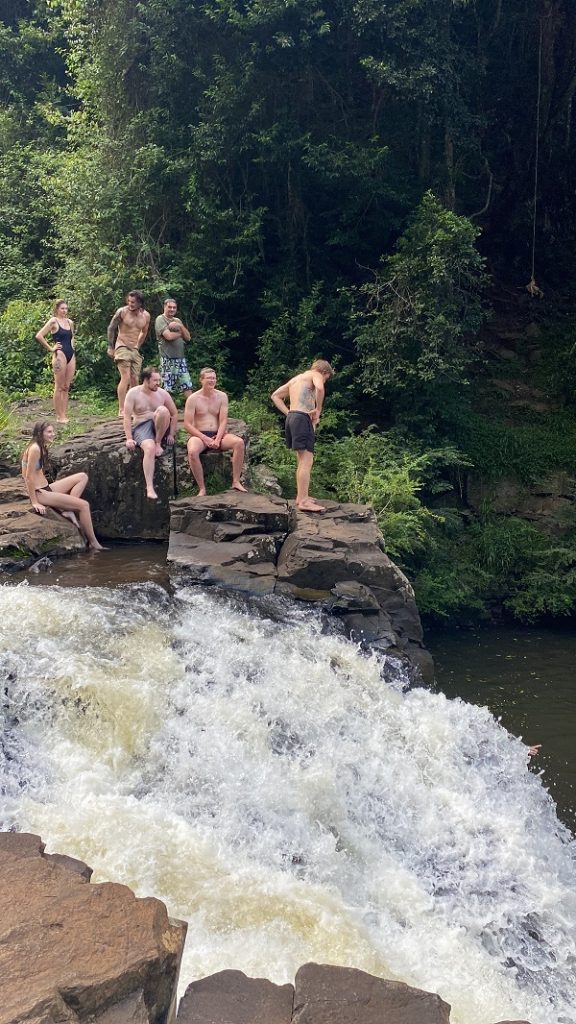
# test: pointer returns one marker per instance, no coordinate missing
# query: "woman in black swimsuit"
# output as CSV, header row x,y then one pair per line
x,y
64,495
61,328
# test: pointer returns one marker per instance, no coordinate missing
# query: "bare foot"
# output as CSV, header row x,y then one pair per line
x,y
121,412
97,547
239,487
310,506
202,492
152,495
62,421
158,450
72,517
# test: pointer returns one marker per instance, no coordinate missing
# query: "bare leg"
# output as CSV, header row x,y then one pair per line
x,y
70,503
161,425
74,485
125,382
59,370
236,444
68,378
303,471
195,449
148,464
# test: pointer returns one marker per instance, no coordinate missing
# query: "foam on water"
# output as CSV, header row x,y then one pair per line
x,y
263,780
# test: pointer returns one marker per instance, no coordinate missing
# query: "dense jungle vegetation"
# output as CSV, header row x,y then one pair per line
x,y
374,182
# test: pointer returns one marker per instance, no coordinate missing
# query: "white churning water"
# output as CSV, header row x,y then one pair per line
x,y
265,782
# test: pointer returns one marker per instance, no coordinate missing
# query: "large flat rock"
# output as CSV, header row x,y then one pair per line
x,y
80,953
232,997
232,539
342,995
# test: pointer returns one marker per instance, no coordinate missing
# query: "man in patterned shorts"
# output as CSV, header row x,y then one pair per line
x,y
172,335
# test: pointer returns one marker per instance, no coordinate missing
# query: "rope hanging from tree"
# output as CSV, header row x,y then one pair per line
x,y
532,288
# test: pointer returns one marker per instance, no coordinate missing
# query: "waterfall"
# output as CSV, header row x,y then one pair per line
x,y
286,797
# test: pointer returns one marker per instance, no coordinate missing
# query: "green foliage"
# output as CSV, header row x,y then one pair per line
x,y
32,95
497,563
296,336
418,330
377,469
24,362
525,450
260,416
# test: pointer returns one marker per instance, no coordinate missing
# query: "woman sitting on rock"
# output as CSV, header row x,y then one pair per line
x,y
63,495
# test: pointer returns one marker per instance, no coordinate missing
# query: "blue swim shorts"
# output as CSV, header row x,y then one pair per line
x,y
175,375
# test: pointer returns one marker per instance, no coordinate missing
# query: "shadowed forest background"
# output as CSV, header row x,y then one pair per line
x,y
353,180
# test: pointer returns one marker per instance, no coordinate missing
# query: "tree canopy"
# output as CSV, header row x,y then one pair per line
x,y
249,156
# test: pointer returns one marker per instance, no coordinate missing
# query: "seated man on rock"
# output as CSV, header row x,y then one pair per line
x,y
206,420
150,417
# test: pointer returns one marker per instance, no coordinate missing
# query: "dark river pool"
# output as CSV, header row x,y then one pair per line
x,y
525,676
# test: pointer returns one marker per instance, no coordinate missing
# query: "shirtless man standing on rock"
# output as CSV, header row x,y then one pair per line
x,y
150,417
305,392
126,333
206,419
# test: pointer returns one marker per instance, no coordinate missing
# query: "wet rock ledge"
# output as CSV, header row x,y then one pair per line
x,y
76,953
264,544
252,542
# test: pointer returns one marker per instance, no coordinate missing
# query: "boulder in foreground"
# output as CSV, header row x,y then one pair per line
x,y
343,995
232,996
76,953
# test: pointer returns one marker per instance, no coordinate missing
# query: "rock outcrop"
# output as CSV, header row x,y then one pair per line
x,y
232,996
25,536
260,544
231,539
80,953
265,545
322,994
547,503
120,508
341,995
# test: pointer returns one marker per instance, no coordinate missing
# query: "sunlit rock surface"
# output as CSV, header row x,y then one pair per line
x,y
80,953
232,996
341,995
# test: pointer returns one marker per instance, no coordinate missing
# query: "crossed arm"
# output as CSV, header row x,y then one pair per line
x,y
179,331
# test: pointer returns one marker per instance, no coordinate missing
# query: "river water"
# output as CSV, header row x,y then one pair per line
x,y
258,774
526,677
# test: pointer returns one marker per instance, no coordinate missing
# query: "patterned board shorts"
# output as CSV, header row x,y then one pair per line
x,y
175,376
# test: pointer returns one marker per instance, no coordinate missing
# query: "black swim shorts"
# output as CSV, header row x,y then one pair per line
x,y
300,432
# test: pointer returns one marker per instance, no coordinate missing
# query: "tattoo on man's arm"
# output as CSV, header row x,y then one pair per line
x,y
112,329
